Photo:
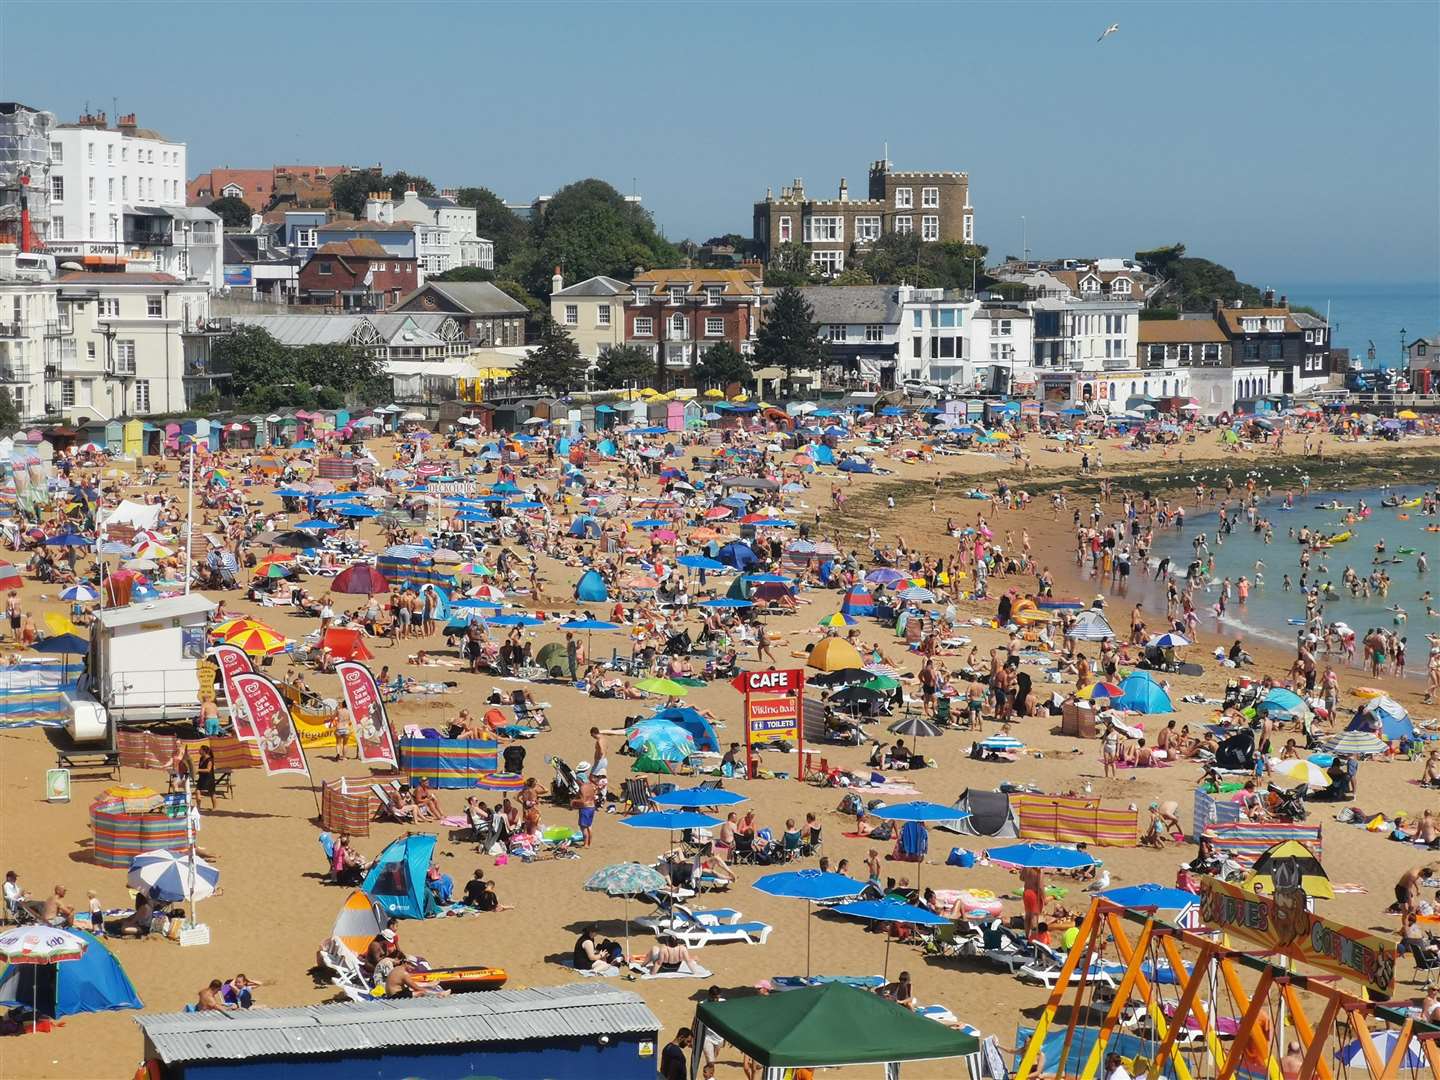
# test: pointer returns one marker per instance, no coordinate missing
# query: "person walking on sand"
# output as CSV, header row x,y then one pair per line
x,y
585,804
344,727
1032,880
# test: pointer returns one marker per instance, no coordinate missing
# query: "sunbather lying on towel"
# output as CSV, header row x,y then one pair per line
x,y
669,954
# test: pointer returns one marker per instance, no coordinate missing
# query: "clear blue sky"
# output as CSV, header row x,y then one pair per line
x,y
1295,141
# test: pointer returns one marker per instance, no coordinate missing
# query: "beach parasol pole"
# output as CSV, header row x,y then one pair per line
x,y
190,841
189,525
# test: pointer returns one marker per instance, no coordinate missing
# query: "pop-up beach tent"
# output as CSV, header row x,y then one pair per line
x,y
95,982
825,1027
397,880
1090,625
1144,695
990,815
590,589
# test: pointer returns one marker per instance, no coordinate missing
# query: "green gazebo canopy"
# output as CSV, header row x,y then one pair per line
x,y
830,1025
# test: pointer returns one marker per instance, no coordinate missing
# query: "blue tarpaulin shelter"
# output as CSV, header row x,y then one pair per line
x,y
693,722
94,983
855,466
822,454
590,589
397,880
1144,695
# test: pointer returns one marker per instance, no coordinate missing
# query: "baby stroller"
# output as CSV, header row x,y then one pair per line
x,y
564,787
514,759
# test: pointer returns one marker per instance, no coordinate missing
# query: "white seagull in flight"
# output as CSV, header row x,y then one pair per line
x,y
1112,28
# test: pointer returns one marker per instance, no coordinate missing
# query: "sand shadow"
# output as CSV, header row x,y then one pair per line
x,y
242,814
614,928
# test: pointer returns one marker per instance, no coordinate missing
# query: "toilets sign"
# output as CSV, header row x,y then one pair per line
x,y
773,709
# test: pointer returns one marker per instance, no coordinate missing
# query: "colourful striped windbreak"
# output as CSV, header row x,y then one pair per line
x,y
1246,841
416,572
1212,810
1075,820
447,763
119,836
346,806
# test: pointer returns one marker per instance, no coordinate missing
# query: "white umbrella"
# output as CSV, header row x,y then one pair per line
x,y
172,876
40,945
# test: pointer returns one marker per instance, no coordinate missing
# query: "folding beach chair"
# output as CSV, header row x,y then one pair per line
x,y
635,794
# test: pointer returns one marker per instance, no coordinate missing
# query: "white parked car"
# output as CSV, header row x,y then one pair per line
x,y
918,388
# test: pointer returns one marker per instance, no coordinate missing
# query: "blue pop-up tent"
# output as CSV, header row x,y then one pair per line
x,y
738,555
590,589
858,601
94,983
1394,721
1144,695
692,721
585,526
397,880
856,466
822,454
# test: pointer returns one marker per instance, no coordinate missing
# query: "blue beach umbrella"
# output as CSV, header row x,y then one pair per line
x,y
725,602
670,820
589,624
514,620
694,798
1151,895
84,592
890,911
812,886
700,562
919,810
317,523
1042,856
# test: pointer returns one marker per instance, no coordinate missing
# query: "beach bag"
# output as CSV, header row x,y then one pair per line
x,y
884,831
850,804
960,857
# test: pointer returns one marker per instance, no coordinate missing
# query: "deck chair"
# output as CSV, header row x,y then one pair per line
x,y
691,932
792,847
635,793
1002,948
667,914
328,843
744,851
387,810
1046,965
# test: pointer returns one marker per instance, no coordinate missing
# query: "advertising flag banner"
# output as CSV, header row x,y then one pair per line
x,y
373,735
233,661
280,750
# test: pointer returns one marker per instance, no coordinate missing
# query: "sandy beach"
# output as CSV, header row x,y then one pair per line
x,y
274,909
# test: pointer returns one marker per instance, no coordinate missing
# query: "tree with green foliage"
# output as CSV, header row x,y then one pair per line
x,y
790,265
555,364
722,364
463,273
266,375
494,221
9,415
852,275
624,365
904,258
588,228
789,336
234,212
1195,284
349,190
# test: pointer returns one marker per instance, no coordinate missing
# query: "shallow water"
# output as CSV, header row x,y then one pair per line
x,y
1272,612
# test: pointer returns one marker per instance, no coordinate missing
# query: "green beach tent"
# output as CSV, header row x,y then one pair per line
x,y
830,1025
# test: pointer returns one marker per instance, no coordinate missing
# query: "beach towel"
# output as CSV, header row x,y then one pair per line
x,y
681,973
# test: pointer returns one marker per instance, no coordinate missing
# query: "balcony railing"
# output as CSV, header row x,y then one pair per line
x,y
14,373
14,329
147,238
54,328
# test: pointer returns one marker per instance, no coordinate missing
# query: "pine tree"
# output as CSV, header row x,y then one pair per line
x,y
555,364
789,337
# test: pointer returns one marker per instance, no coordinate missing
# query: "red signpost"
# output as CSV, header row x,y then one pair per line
x,y
773,711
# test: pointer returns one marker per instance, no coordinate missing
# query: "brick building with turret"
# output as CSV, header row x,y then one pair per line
x,y
933,205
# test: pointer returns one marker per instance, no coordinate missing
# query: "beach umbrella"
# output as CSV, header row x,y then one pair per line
x,y
881,682
257,640
317,524
694,798
840,677
172,876
486,591
833,654
671,820
82,593
1169,641
589,624
700,562
1352,1054
472,604
10,576
1100,690
1002,742
627,880
514,620
500,781
67,539
812,886
29,945
1290,865
1042,856
66,644
1303,772
857,696
838,619
919,810
361,579
667,687
1151,895
291,538
890,911
94,982
1357,743
661,739
1285,702
275,571
726,602
914,726
916,594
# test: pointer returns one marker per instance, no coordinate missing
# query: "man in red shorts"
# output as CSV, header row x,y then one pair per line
x,y
1032,879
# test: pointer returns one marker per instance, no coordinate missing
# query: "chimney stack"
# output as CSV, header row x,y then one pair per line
x,y
844,190
126,123
557,281
1285,302
799,190
1269,297
1219,305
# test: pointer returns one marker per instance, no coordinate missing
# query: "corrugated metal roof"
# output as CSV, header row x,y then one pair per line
x,y
296,330
578,1010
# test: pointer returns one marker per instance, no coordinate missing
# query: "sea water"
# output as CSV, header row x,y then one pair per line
x,y
1273,613
1365,312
